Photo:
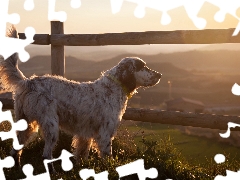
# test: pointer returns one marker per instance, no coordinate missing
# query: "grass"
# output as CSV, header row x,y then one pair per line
x,y
160,153
195,149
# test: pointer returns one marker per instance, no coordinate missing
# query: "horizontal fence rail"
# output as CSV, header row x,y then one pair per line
x,y
169,117
181,118
39,39
209,36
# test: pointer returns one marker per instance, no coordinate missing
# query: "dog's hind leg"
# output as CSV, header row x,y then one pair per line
x,y
81,147
24,137
49,125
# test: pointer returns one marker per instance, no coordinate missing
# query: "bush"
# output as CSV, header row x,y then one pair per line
x,y
160,154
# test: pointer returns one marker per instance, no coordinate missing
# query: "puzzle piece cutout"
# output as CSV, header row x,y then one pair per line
x,y
192,8
236,89
227,7
66,164
28,5
227,133
219,158
139,12
52,15
137,167
60,15
75,4
230,175
87,173
20,125
8,45
28,171
8,162
5,17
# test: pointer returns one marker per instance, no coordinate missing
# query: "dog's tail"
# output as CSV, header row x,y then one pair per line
x,y
10,76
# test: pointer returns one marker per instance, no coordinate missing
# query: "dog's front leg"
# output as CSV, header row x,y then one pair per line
x,y
104,142
81,147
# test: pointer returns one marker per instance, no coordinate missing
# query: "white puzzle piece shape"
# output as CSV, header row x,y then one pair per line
x,y
87,173
230,175
75,4
9,46
52,15
8,162
20,125
66,164
29,5
137,167
192,8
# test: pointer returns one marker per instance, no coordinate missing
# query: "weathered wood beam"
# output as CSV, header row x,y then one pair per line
x,y
210,36
39,39
57,51
168,117
181,118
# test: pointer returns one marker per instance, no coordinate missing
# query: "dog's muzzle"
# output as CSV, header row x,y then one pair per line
x,y
155,79
158,75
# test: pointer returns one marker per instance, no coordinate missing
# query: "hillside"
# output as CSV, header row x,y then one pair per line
x,y
224,61
40,65
219,60
87,70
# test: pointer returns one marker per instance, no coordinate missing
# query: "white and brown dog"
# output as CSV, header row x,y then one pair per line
x,y
88,110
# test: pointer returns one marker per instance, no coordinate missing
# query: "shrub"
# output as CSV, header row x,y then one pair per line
x,y
160,154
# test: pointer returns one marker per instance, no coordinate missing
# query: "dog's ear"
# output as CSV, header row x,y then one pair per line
x,y
125,73
139,65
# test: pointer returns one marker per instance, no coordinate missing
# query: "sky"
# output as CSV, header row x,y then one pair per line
x,y
95,16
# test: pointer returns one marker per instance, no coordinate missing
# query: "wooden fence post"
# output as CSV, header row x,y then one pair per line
x,y
57,51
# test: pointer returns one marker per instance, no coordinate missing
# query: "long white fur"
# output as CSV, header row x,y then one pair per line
x,y
88,110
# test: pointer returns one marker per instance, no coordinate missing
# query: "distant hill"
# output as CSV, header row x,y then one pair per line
x,y
219,60
40,65
37,65
224,61
88,70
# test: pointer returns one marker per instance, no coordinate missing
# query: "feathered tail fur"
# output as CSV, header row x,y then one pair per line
x,y
10,76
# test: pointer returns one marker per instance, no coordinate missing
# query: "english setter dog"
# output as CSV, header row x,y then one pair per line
x,y
87,110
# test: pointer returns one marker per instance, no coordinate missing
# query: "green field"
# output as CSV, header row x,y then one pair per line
x,y
195,149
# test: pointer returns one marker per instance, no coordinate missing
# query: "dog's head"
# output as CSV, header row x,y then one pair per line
x,y
133,73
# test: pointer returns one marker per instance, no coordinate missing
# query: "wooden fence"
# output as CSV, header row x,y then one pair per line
x,y
58,40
